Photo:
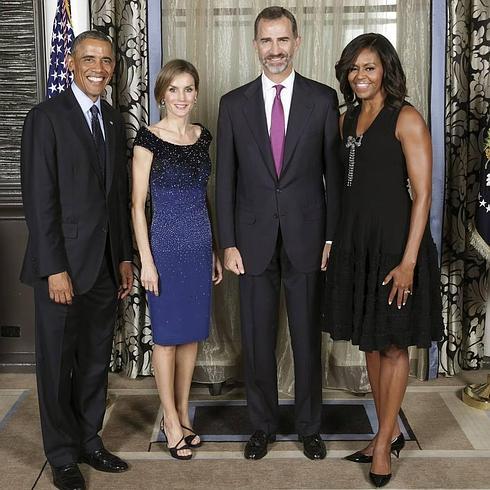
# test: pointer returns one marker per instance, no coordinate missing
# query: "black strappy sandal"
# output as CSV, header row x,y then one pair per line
x,y
188,439
174,451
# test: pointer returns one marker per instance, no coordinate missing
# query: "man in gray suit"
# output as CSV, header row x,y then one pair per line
x,y
277,188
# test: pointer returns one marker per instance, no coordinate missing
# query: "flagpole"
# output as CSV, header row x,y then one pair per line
x,y
68,11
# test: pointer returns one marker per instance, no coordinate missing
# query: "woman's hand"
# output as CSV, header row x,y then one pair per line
x,y
402,277
149,278
217,270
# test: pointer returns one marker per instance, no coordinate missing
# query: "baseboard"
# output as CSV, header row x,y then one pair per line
x,y
17,362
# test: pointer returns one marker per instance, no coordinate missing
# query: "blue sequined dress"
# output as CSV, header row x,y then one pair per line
x,y
180,238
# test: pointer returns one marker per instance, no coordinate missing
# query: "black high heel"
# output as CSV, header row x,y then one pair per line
x,y
359,457
174,450
188,439
379,480
397,445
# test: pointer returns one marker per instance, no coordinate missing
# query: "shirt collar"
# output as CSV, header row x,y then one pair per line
x,y
84,100
287,83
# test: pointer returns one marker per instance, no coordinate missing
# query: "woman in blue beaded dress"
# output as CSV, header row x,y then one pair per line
x,y
383,286
178,265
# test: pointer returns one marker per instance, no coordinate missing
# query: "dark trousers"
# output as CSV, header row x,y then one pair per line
x,y
73,348
259,305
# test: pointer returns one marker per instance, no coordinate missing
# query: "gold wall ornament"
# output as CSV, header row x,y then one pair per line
x,y
478,395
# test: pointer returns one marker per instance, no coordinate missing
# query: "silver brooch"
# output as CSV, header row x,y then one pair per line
x,y
352,143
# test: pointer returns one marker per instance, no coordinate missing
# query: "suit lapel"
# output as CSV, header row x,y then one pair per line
x,y
110,146
299,114
79,124
254,112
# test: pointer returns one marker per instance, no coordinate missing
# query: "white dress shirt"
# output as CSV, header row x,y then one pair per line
x,y
85,102
269,92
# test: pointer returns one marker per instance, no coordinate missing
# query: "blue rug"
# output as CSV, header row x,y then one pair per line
x,y
342,420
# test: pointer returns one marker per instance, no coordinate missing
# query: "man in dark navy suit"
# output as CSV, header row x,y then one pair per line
x,y
277,187
78,257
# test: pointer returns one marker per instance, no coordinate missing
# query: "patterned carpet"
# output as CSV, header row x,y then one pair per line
x,y
448,446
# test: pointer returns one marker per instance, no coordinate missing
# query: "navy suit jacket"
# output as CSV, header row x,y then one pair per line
x,y
252,203
70,212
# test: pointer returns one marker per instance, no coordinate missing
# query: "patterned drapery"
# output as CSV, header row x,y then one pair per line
x,y
467,108
217,37
125,22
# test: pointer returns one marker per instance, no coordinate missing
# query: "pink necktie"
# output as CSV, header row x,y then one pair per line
x,y
277,133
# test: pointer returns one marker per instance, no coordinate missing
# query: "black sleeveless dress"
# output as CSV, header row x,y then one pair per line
x,y
370,241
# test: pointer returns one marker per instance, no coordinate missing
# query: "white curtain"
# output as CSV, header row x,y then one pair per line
x,y
216,35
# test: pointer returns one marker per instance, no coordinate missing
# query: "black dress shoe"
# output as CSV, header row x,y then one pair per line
x,y
314,447
68,477
103,460
256,447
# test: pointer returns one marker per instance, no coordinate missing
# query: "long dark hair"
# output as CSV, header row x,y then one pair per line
x,y
394,80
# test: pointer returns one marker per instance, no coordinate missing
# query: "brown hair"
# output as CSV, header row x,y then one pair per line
x,y
169,72
273,13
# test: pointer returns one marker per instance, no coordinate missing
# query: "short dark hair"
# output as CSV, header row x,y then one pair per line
x,y
394,80
169,72
97,35
273,13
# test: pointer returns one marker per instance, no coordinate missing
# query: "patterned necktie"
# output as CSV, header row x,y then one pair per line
x,y
277,133
98,139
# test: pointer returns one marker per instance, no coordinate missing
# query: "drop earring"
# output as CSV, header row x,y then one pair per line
x,y
162,104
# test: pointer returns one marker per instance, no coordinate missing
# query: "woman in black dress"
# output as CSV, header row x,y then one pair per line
x,y
382,279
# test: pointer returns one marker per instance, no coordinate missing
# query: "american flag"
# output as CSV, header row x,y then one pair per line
x,y
60,77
